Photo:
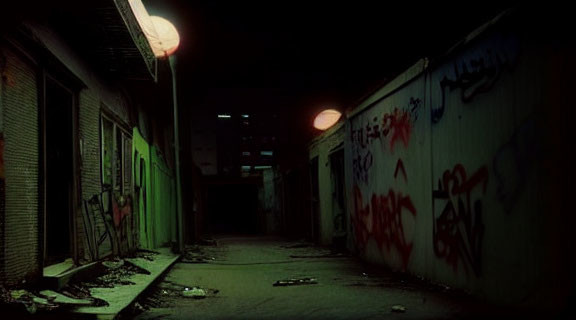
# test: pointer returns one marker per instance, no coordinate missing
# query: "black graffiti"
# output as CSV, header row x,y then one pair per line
x,y
361,165
458,230
364,136
414,105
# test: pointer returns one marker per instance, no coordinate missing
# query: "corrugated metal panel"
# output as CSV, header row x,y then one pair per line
x,y
388,150
21,156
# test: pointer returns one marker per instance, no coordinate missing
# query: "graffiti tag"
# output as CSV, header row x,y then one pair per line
x,y
458,229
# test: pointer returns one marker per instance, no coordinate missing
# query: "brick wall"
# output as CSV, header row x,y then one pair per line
x,y
89,131
21,154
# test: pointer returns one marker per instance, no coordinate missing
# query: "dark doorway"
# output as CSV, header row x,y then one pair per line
x,y
58,171
314,199
233,208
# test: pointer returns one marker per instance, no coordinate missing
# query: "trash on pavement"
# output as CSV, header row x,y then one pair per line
x,y
398,308
196,293
62,299
294,282
325,255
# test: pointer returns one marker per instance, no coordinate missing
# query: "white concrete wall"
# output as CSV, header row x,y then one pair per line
x,y
388,163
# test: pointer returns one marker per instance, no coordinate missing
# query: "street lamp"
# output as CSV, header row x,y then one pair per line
x,y
164,42
326,119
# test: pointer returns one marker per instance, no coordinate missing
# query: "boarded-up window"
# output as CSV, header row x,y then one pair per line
x,y
107,153
116,157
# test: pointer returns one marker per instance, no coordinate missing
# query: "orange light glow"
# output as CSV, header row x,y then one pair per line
x,y
326,119
167,40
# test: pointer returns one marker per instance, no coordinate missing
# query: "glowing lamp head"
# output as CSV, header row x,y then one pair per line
x,y
166,40
327,119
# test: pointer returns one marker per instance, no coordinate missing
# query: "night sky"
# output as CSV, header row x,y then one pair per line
x,y
293,58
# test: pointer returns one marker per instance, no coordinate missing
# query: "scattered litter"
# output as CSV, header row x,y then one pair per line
x,y
193,257
296,246
62,299
327,255
115,272
196,293
24,300
200,254
113,265
294,282
19,294
208,242
138,307
42,301
399,308
146,254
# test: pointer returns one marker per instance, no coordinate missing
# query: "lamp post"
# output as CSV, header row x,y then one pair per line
x,y
172,62
164,44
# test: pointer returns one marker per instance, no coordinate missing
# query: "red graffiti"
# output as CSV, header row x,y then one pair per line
x,y
400,168
399,124
458,230
381,219
119,212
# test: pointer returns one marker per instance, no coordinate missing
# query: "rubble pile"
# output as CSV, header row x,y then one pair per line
x,y
107,274
36,301
114,272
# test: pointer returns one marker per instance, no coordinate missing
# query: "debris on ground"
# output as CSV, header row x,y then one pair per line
x,y
196,293
34,301
326,255
113,273
207,242
146,254
195,257
107,274
166,292
59,298
294,282
198,254
297,245
398,308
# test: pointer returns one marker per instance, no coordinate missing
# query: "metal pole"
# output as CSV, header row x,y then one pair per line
x,y
180,228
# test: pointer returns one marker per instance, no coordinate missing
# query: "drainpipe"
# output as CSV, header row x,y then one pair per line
x,y
180,223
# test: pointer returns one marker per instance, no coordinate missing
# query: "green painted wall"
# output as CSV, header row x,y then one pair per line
x,y
154,195
163,199
142,188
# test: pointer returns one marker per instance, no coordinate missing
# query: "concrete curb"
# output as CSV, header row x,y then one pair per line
x,y
121,297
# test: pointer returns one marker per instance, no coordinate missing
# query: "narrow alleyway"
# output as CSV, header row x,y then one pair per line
x,y
239,273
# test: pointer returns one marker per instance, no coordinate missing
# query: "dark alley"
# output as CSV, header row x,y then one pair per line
x,y
248,274
194,159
